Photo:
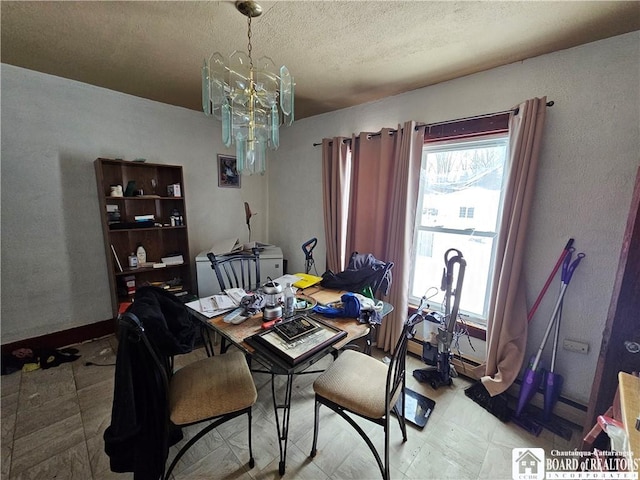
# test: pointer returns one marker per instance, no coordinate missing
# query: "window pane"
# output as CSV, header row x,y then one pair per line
x,y
462,185
459,204
429,267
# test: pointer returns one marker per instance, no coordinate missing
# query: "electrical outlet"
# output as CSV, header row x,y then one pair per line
x,y
575,346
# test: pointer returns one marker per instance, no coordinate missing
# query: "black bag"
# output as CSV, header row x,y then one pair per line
x,y
364,270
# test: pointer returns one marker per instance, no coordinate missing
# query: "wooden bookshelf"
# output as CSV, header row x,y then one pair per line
x,y
160,238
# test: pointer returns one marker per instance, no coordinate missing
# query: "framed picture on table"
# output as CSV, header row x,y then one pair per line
x,y
297,339
228,175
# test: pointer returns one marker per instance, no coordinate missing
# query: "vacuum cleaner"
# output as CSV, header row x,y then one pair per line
x,y
441,372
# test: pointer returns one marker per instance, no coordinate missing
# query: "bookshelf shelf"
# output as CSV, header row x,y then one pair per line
x,y
161,239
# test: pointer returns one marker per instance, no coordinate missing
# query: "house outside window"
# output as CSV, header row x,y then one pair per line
x,y
461,194
466,212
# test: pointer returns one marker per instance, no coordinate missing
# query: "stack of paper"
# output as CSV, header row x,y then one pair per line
x,y
226,246
236,294
223,302
173,260
215,305
231,246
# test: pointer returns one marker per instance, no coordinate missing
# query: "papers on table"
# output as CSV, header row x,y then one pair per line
x,y
284,279
215,305
299,280
206,307
236,294
306,280
221,302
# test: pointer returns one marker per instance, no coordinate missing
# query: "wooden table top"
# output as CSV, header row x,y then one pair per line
x,y
237,333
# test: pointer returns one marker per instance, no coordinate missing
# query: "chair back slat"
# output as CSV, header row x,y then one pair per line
x,y
237,271
397,364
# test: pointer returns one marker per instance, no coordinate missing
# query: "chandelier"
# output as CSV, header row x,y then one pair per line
x,y
251,99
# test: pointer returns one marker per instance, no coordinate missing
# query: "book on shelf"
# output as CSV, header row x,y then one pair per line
x,y
173,260
113,214
144,218
151,265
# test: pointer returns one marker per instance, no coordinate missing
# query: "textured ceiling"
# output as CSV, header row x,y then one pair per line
x,y
341,53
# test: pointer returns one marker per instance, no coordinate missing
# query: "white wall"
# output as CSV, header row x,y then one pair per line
x,y
588,163
54,274
53,268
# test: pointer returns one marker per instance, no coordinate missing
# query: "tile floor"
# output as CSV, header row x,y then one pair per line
x,y
53,421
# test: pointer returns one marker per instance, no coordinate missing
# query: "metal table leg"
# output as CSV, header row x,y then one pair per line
x,y
371,339
283,429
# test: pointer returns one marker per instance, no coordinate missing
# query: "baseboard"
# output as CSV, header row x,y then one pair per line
x,y
64,337
565,408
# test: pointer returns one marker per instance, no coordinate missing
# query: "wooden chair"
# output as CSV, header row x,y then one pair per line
x,y
215,388
358,384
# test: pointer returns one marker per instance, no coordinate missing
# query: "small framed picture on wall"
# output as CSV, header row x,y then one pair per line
x,y
228,175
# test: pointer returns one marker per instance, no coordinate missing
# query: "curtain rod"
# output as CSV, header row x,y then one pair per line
x,y
446,122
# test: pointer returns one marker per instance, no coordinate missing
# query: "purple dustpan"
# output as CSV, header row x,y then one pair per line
x,y
552,387
530,383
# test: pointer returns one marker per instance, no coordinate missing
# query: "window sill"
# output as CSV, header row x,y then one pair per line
x,y
475,330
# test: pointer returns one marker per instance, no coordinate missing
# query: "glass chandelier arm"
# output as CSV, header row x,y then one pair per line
x,y
226,124
206,99
275,127
289,118
286,90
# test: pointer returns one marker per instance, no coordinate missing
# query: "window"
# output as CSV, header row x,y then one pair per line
x,y
466,212
461,184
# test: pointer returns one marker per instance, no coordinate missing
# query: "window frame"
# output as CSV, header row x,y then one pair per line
x,y
468,129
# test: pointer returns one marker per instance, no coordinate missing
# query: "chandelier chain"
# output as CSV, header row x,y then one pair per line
x,y
249,43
